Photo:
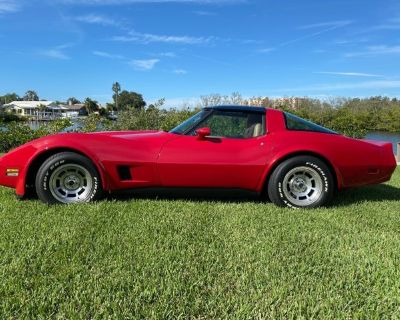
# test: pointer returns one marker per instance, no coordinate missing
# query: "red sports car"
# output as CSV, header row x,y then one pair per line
x,y
294,162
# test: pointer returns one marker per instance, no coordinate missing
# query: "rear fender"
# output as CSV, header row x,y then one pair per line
x,y
278,159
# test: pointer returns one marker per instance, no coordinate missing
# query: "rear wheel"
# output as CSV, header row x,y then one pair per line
x,y
68,178
301,182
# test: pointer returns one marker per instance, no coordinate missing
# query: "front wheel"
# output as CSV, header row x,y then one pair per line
x,y
301,182
68,177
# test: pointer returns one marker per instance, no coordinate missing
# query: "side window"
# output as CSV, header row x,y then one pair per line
x,y
299,124
234,124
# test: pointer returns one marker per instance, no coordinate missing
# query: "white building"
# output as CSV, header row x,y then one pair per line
x,y
43,110
27,108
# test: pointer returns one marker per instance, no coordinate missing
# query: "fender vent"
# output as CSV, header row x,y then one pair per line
x,y
124,173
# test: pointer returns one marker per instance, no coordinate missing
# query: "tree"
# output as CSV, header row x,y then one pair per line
x,y
156,105
73,100
130,100
31,95
116,88
9,97
91,105
40,111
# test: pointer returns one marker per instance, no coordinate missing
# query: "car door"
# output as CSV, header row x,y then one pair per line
x,y
233,156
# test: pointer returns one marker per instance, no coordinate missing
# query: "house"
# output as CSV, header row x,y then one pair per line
x,y
78,108
44,110
292,102
61,111
27,108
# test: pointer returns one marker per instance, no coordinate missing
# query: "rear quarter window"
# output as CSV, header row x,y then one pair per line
x,y
296,123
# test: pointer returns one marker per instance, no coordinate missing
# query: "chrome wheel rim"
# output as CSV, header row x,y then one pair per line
x,y
71,183
302,186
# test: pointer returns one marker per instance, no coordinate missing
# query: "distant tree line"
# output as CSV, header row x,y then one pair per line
x,y
122,100
30,95
351,116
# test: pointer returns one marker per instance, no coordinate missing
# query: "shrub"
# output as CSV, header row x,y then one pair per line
x,y
14,134
8,117
151,119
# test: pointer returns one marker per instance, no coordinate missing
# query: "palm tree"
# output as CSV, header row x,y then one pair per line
x,y
41,111
31,95
91,105
116,87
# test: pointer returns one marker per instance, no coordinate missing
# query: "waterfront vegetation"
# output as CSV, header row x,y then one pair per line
x,y
16,133
161,258
352,117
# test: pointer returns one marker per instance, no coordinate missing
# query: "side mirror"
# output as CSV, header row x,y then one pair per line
x,y
202,133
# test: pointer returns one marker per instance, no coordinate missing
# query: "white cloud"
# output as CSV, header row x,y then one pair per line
x,y
180,71
144,65
122,2
167,54
375,50
390,24
181,102
7,6
97,19
54,54
134,36
108,55
327,27
57,52
266,50
324,27
379,84
205,13
328,24
350,74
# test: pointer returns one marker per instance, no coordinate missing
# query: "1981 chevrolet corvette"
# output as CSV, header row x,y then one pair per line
x,y
294,162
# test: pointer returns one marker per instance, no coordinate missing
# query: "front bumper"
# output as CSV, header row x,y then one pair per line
x,y
8,176
13,168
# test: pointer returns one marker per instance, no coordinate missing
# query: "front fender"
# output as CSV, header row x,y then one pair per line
x,y
35,153
44,154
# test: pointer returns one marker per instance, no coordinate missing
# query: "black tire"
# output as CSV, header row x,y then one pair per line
x,y
301,182
68,178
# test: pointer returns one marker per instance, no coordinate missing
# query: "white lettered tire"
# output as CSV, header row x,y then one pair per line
x,y
68,178
301,182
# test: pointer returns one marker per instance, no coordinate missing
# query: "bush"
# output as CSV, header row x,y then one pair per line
x,y
15,134
151,119
8,117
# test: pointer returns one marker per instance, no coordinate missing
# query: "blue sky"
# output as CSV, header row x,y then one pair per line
x,y
182,49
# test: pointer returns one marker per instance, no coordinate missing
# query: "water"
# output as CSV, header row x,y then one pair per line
x,y
394,138
35,124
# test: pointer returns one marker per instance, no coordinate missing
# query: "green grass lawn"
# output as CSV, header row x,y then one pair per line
x,y
202,259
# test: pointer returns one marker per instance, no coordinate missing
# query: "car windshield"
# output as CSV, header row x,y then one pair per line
x,y
190,123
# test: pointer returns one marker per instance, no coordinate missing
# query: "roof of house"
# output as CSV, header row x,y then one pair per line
x,y
75,107
28,104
